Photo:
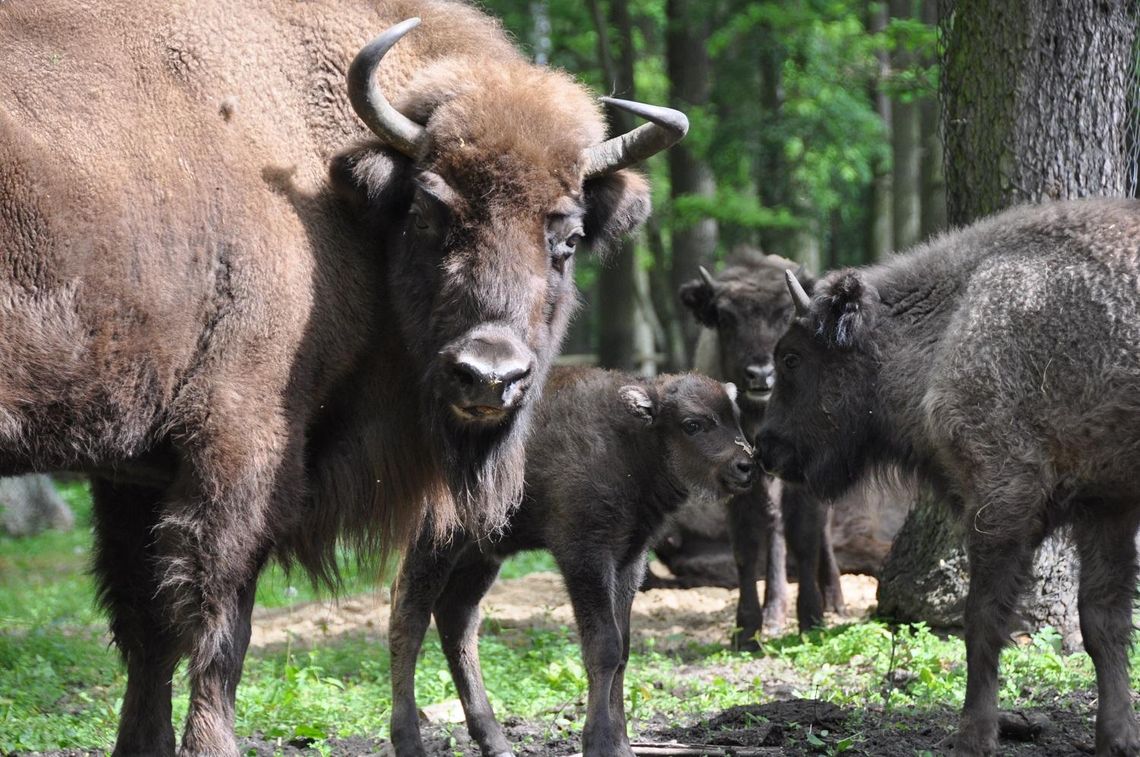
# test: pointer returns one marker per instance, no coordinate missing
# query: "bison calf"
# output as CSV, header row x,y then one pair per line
x,y
1002,362
611,457
745,311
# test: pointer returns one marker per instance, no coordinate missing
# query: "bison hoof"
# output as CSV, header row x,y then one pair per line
x,y
1122,744
974,739
746,639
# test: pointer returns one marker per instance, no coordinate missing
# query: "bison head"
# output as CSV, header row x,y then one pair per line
x,y
706,451
820,420
489,177
749,307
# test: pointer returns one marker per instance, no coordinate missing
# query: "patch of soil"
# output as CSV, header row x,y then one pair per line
x,y
675,619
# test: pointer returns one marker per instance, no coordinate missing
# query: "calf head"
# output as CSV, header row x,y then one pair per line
x,y
819,423
699,422
749,307
490,176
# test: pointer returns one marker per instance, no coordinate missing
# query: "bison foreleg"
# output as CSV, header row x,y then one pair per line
x,y
457,618
829,580
591,582
423,574
1107,549
750,517
628,580
804,525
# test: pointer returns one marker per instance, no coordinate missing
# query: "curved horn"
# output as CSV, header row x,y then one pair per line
x,y
707,277
369,102
666,127
799,296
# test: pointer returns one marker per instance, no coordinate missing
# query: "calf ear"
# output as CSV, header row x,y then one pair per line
x,y
616,204
846,310
638,402
370,178
699,296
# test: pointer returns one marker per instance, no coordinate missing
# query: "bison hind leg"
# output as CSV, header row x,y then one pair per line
x,y
1107,549
124,571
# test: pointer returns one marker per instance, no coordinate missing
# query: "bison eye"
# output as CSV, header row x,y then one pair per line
x,y
573,240
791,361
691,426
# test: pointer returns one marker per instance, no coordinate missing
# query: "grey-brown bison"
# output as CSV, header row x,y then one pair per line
x,y
609,459
746,309
261,327
1002,362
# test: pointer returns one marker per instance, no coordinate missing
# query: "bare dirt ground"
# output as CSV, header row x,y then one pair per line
x,y
675,619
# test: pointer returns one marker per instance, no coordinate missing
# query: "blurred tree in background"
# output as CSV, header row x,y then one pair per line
x,y
791,147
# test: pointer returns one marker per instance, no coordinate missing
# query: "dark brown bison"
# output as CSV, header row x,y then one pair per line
x,y
1001,362
260,329
610,458
745,310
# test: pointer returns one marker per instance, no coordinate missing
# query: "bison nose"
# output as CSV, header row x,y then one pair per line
x,y
491,376
761,378
745,468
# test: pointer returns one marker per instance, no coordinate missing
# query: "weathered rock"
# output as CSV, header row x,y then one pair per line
x,y
30,504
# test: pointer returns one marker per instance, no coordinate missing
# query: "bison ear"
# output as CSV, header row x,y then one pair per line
x,y
616,204
699,296
846,310
371,178
638,402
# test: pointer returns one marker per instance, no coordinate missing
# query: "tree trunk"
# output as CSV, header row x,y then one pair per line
x,y
689,68
1036,101
617,296
880,239
905,148
932,171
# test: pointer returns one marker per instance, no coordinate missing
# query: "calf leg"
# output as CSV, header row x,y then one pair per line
x,y
591,581
124,569
628,579
457,617
748,516
804,526
829,580
999,570
1107,548
423,575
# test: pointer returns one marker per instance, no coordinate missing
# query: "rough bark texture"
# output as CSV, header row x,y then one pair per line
x,y
30,504
690,80
1036,103
1036,93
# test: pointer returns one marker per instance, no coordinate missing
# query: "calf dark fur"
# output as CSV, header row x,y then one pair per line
x,y
1002,362
263,328
609,459
745,310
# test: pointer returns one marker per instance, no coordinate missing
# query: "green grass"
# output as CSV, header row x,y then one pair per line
x,y
61,685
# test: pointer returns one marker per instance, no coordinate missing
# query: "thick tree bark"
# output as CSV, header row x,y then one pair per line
x,y
906,148
1036,102
689,70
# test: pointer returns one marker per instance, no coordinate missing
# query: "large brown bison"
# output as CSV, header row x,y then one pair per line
x,y
260,329
1002,362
